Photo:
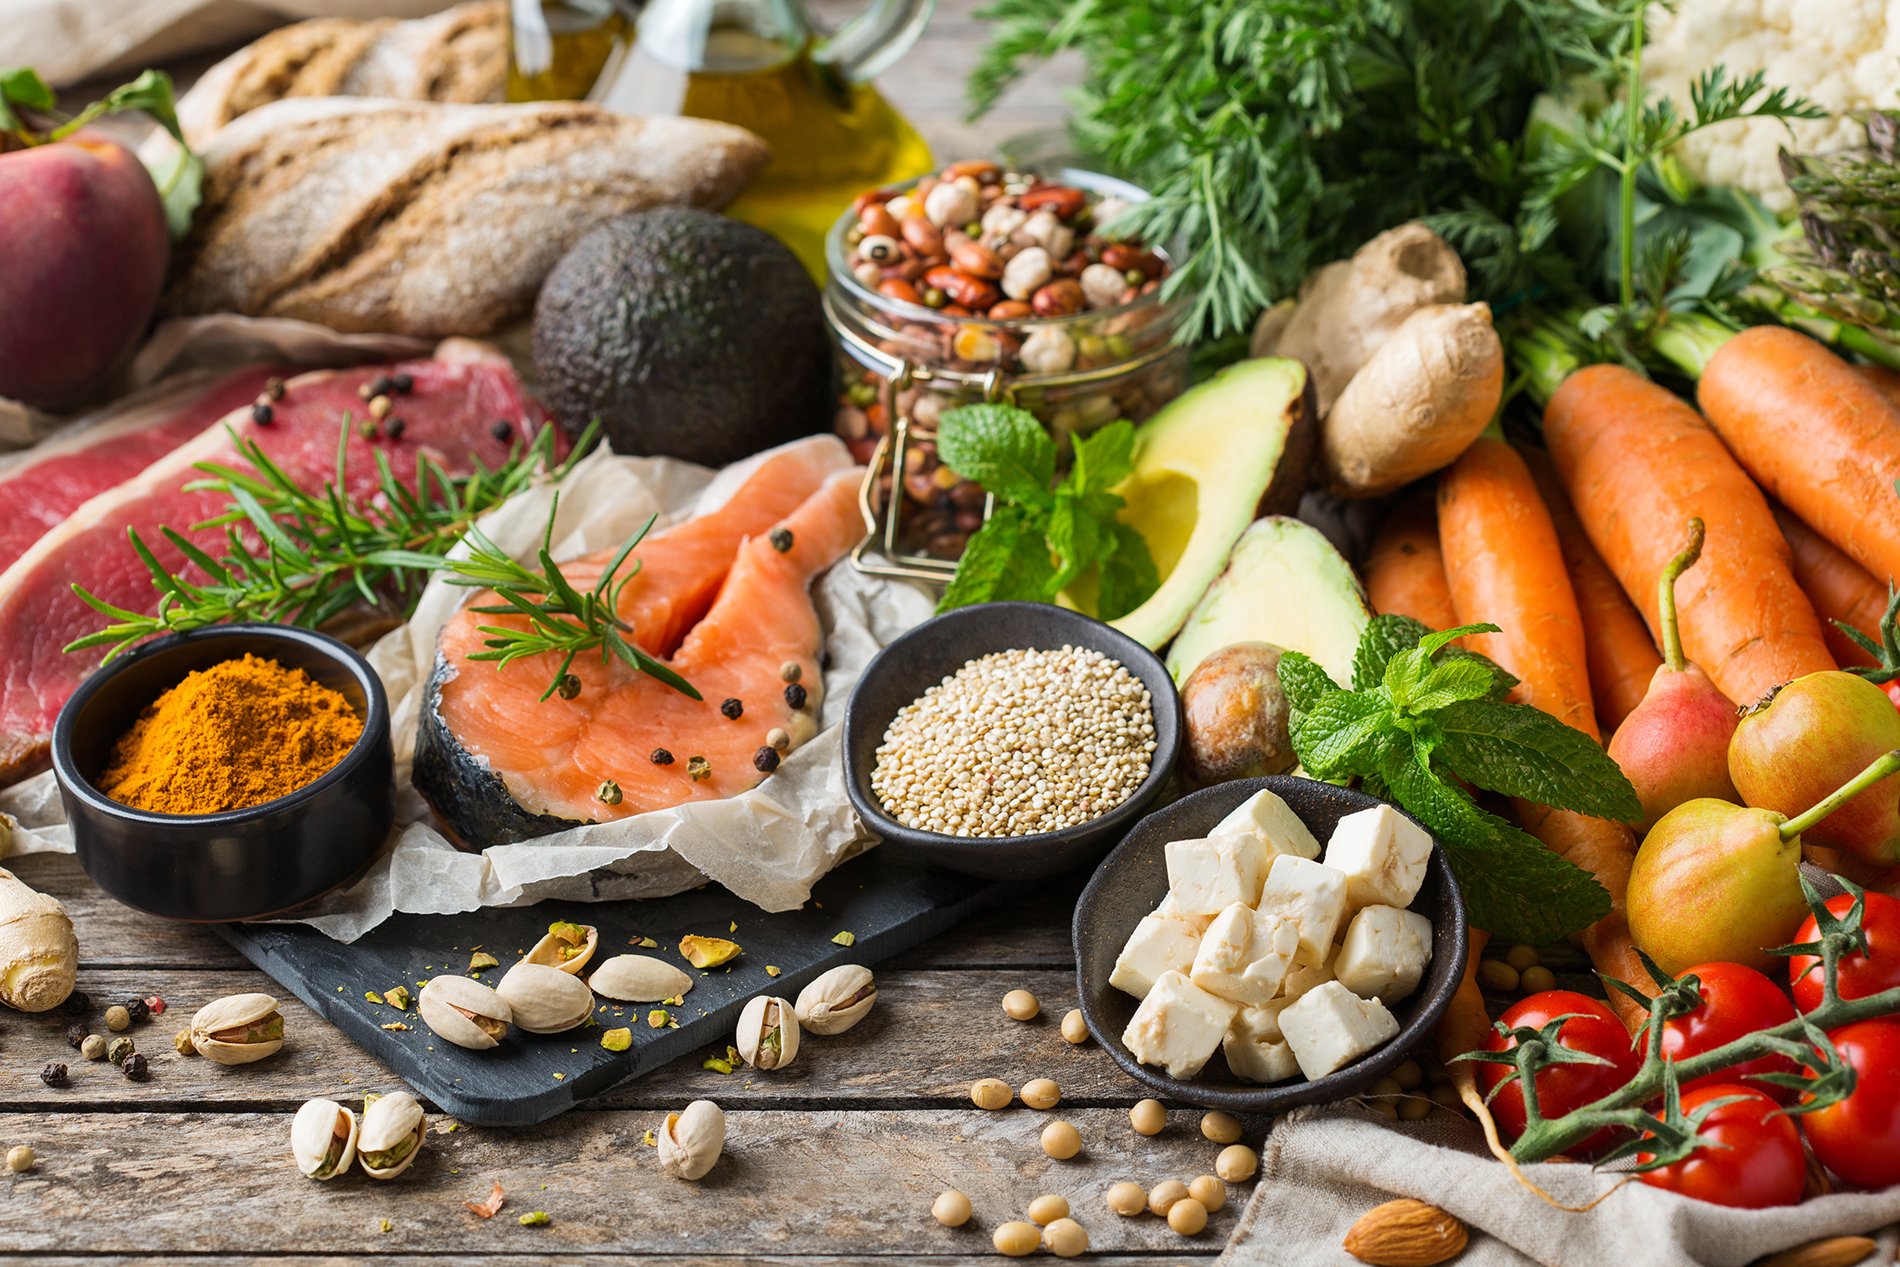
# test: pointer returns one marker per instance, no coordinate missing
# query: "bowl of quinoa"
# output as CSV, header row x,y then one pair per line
x,y
1010,740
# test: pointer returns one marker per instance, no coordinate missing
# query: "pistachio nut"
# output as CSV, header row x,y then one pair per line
x,y
466,1013
837,1000
768,1033
639,979
323,1139
238,1029
545,1000
707,952
691,1141
567,947
391,1135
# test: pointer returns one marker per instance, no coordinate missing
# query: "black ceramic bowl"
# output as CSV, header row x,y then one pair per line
x,y
240,864
1132,881
922,657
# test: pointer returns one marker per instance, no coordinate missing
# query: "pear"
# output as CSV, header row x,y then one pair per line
x,y
1674,746
1717,882
1811,734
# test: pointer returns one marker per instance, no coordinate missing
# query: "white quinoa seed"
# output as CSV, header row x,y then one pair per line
x,y
1016,743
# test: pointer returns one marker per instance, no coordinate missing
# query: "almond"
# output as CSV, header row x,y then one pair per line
x,y
1833,1251
1405,1233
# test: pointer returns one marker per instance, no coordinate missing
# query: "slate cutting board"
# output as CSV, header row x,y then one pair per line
x,y
887,901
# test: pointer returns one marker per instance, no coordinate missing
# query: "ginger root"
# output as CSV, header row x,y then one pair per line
x,y
39,955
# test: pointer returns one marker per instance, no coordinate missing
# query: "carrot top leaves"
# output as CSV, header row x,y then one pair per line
x,y
1423,715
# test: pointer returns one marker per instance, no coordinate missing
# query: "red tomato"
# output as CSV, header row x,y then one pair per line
x,y
1861,974
1859,1138
1757,1161
1736,1000
1893,692
1593,1029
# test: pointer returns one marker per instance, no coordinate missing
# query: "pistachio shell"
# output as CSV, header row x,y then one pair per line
x,y
639,979
545,1000
444,1000
234,1012
386,1123
312,1132
837,1000
548,950
691,1141
755,1024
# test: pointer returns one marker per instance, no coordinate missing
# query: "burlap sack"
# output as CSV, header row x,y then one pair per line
x,y
1323,1167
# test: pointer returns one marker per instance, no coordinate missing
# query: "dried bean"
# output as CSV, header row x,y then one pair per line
x,y
976,260
921,235
876,221
1062,200
1010,310
898,288
971,292
1058,299
1027,272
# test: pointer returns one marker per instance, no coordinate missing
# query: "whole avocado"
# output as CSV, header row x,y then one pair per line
x,y
687,334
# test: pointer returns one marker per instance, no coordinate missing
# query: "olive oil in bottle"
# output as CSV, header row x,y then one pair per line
x,y
560,49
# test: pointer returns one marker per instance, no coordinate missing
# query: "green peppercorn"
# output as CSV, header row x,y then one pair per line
x,y
861,394
568,686
781,539
698,769
608,793
1134,277
118,1049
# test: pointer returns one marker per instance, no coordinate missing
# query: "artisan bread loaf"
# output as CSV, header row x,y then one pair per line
x,y
425,219
458,55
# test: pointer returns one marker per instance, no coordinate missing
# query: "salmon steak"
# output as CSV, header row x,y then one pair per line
x,y
723,600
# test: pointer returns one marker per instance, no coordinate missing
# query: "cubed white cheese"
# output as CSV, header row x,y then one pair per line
x,y
1258,1060
1205,877
1329,1027
1178,1026
1312,895
1168,910
1156,946
1302,977
1260,1024
1383,855
1385,953
1244,955
1273,820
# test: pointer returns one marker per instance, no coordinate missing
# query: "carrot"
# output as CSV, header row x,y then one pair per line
x,y
1639,463
1405,572
1839,588
1617,647
1815,434
1888,381
1465,1024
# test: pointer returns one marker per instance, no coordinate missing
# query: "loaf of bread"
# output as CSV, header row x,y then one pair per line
x,y
458,55
425,219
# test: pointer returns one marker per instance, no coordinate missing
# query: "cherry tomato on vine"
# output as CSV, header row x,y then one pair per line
x,y
1736,1000
1893,692
1756,1160
1861,974
1859,1138
1592,1029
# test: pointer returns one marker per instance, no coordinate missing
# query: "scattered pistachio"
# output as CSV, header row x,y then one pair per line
x,y
771,970
1021,1005
658,1018
846,939
781,539
395,1025
19,1159
118,1049
707,952
1074,1028
649,1139
94,1048
384,1225
608,793
398,998
647,943
482,959
617,1039
538,1218
117,1018
717,1064
768,1033
372,996
691,1141
698,769
837,1000
790,671
951,1208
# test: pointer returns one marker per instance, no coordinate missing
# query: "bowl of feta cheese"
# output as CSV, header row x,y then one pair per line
x,y
1267,943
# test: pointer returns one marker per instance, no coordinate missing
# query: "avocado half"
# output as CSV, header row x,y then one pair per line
x,y
687,334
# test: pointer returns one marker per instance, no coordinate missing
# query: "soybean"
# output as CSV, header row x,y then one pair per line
x,y
1236,1163
991,1093
1536,979
1074,1028
1046,1209
1041,1093
1021,1005
1495,974
1522,957
951,1208
1187,1216
1065,1238
1148,1117
1061,1141
1162,1196
1017,1239
1127,1199
1223,1128
1208,1190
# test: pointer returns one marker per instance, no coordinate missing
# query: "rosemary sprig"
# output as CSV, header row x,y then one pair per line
x,y
560,617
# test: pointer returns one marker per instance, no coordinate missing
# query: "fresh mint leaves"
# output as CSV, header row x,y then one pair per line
x,y
1423,715
1044,535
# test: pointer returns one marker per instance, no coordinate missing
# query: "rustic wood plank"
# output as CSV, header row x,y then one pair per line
x,y
839,1183
1119,1258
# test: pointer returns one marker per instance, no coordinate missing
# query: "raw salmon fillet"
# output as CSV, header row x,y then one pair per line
x,y
552,756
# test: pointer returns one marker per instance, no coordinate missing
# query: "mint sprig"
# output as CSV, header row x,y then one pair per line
x,y
1044,535
1423,715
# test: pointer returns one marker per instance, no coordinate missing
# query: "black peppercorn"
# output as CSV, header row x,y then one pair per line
x,y
795,695
765,760
78,1003
138,1009
76,1034
133,1067
503,429
567,686
261,414
661,756
380,385
54,1075
781,539
274,388
733,709
394,428
403,383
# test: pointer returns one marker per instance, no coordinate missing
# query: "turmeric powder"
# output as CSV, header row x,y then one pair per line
x,y
229,737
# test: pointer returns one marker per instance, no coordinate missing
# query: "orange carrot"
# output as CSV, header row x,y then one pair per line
x,y
1888,381
1405,572
1816,435
1616,644
1465,1024
1839,588
1639,463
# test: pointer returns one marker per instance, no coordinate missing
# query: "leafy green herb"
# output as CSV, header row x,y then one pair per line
x,y
1044,535
1422,715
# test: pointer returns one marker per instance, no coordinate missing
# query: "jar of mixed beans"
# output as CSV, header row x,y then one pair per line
x,y
981,283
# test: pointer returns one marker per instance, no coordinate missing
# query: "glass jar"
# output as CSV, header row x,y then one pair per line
x,y
906,362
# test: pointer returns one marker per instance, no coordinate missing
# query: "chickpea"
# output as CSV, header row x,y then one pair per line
x,y
1408,1075
1065,1238
1017,1239
951,1208
1074,1028
1163,1195
1127,1199
1187,1216
1046,1209
1021,1005
1495,974
991,1093
1236,1163
1522,957
1041,1093
1061,1141
1148,1117
1224,1128
1536,979
1209,1191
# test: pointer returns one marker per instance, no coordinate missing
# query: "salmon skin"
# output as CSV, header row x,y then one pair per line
x,y
499,764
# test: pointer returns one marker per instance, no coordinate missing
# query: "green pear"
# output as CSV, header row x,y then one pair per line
x,y
1716,882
